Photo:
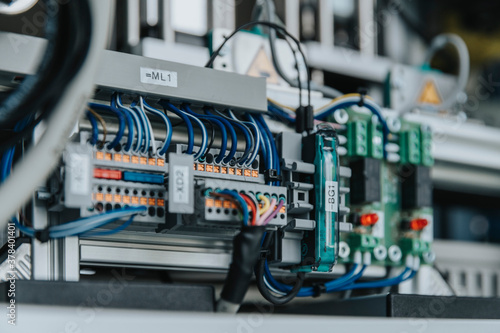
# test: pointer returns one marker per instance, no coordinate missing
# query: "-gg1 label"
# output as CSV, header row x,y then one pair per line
x,y
331,196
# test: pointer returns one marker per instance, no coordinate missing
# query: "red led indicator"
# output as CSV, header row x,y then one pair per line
x,y
418,224
368,220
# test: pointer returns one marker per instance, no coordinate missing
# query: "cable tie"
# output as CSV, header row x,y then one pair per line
x,y
362,95
264,253
318,289
43,235
271,175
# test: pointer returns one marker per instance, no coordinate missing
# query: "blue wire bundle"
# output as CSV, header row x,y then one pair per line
x,y
241,202
232,133
219,124
84,225
170,107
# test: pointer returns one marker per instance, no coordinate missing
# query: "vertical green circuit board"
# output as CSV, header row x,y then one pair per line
x,y
319,246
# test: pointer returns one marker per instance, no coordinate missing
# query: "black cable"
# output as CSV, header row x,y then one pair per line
x,y
20,102
261,285
268,295
279,29
68,30
257,13
270,9
246,246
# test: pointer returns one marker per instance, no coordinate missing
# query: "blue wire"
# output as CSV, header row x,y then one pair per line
x,y
144,121
278,113
95,130
370,107
169,106
335,287
128,118
248,141
241,202
121,122
28,231
204,136
83,225
167,123
8,157
262,144
268,150
274,150
380,283
309,291
6,164
258,142
219,124
110,232
232,133
137,121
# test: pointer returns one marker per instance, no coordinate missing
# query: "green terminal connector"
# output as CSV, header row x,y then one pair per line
x,y
319,246
414,246
426,145
362,242
410,146
375,140
357,138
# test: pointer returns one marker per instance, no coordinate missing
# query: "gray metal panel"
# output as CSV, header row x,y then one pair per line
x,y
113,255
41,319
121,72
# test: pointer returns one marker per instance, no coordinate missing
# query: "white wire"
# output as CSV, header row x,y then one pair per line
x,y
348,99
151,133
464,64
257,140
137,121
268,285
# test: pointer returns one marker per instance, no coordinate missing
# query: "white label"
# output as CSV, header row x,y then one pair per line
x,y
378,230
158,77
331,196
181,188
79,166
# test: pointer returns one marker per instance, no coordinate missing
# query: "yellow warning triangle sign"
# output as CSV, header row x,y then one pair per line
x,y
261,66
430,94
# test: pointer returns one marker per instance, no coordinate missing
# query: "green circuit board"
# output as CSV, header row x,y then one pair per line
x,y
382,194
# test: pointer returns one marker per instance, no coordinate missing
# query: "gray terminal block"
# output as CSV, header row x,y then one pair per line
x,y
78,173
180,184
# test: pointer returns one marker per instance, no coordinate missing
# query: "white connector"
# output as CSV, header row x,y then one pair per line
x,y
357,257
367,259
416,263
409,261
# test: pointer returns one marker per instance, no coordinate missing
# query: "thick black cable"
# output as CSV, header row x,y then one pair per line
x,y
246,246
20,102
68,29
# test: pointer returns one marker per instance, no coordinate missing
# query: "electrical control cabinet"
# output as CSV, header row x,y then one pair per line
x,y
199,171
